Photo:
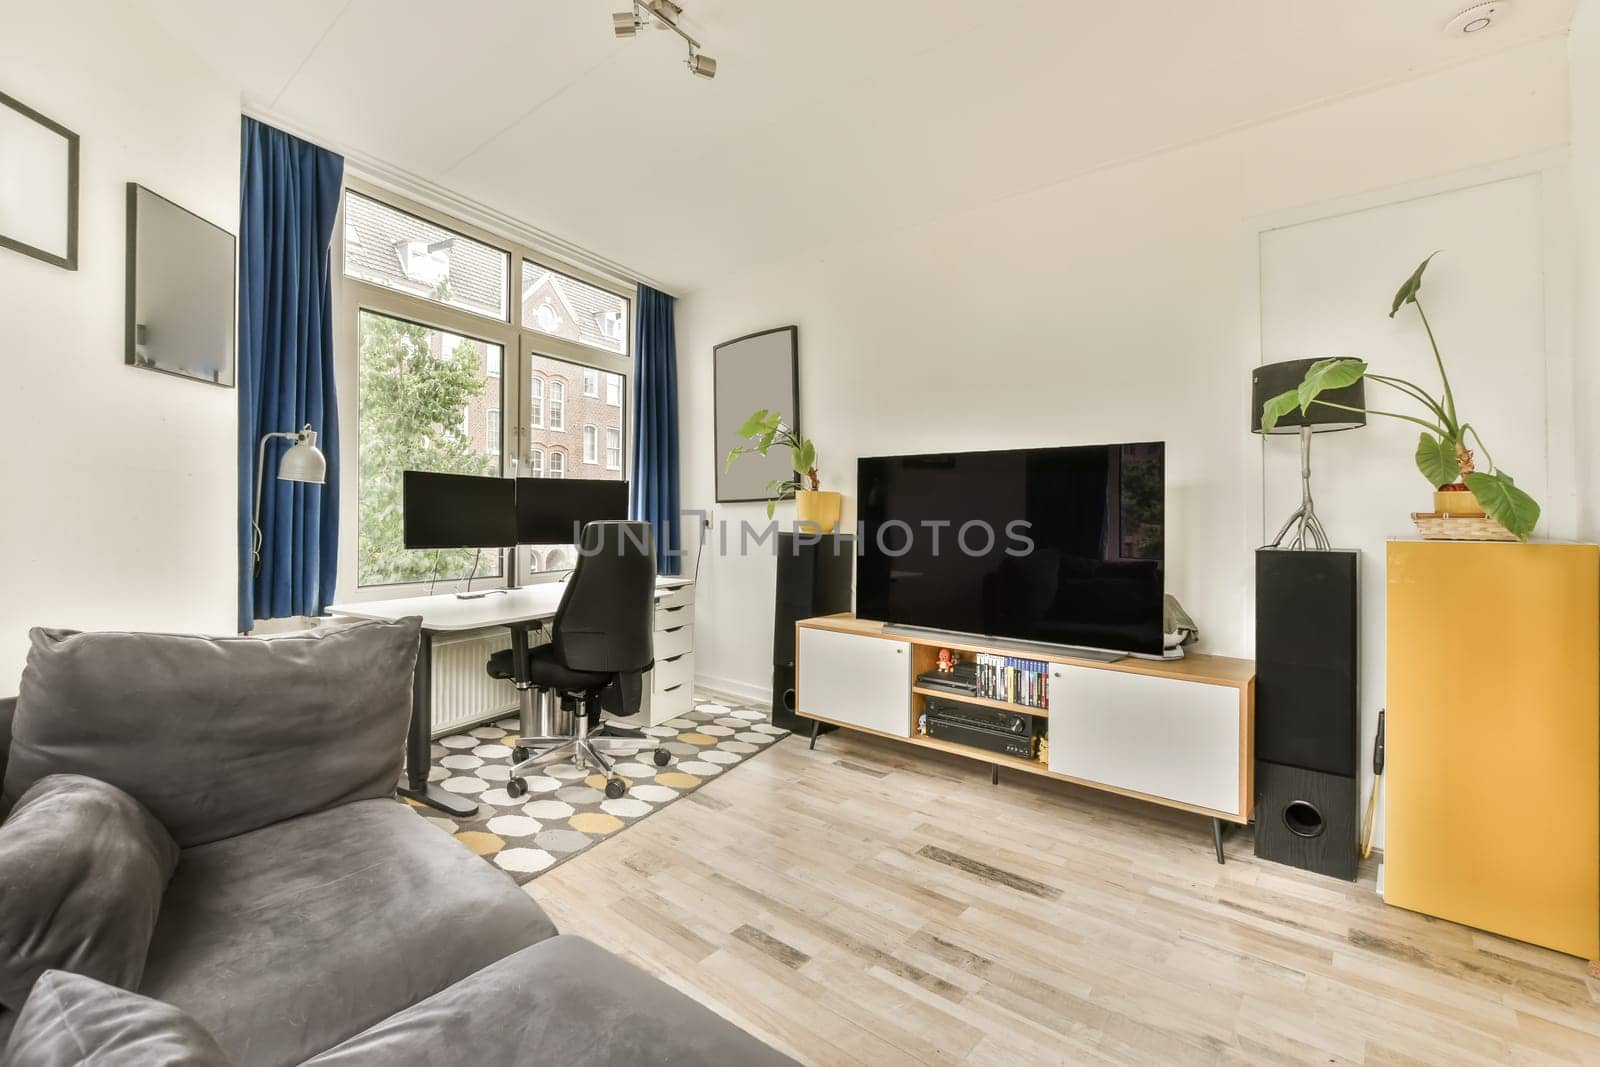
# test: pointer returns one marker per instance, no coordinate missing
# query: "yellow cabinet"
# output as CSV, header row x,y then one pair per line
x,y
1493,738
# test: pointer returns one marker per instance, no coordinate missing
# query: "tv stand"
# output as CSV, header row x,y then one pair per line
x,y
1178,733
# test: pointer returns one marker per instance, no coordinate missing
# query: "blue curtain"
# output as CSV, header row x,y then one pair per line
x,y
288,197
655,426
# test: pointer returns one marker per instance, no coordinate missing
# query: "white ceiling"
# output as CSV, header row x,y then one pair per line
x,y
828,119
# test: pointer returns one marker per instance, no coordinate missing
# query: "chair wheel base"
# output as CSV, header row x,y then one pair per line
x,y
516,787
519,754
663,757
615,788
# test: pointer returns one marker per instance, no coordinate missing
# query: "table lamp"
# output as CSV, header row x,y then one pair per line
x,y
303,462
1269,381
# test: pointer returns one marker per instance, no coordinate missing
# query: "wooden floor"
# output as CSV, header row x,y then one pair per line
x,y
864,903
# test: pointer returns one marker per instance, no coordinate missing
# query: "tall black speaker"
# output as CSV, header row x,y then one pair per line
x,y
814,578
1307,710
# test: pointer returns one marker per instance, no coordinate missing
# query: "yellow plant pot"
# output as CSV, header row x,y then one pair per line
x,y
818,509
1456,502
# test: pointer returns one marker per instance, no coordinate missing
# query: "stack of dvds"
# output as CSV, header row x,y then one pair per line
x,y
1014,680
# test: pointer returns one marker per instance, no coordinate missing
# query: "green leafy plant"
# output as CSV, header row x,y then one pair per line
x,y
767,430
1442,454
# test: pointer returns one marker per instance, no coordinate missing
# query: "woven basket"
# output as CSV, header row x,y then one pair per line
x,y
1436,527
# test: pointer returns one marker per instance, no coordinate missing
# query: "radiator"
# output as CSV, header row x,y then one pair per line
x,y
463,694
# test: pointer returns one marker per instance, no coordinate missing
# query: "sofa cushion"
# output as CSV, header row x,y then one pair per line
x,y
218,736
71,1019
563,1001
287,940
82,871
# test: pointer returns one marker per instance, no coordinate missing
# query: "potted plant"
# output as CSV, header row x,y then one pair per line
x,y
1461,489
812,505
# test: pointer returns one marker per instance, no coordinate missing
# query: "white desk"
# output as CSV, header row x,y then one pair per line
x,y
518,610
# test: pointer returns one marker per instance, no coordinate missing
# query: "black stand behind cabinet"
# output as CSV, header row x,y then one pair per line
x,y
1307,710
815,576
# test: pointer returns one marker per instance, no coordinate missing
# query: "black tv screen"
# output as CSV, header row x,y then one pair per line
x,y
458,511
551,511
1061,546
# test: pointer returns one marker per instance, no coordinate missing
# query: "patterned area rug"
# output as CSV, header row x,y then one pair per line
x,y
566,810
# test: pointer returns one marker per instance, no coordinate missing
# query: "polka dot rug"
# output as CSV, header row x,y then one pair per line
x,y
565,810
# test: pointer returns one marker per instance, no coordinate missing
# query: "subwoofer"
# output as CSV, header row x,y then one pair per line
x,y
1307,710
815,575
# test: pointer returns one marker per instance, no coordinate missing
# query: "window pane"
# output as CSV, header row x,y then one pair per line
x,y
590,448
557,404
388,247
427,403
554,304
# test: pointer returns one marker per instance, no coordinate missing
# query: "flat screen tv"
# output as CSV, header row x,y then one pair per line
x,y
1060,546
458,511
551,511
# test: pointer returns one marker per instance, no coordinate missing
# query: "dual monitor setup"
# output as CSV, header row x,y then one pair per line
x,y
473,511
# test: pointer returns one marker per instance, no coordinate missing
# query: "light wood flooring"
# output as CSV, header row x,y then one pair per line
x,y
869,904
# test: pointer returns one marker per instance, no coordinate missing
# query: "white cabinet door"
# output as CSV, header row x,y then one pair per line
x,y
863,681
1161,736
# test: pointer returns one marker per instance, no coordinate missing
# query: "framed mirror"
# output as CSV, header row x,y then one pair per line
x,y
38,185
759,370
180,317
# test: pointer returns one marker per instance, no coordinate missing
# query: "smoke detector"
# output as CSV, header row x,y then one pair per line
x,y
1478,18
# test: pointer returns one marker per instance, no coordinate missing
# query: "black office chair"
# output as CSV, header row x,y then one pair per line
x,y
600,646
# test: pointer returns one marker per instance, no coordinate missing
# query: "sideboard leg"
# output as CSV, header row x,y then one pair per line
x,y
994,774
1216,838
816,724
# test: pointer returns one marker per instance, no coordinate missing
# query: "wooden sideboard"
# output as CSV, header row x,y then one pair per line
x,y
1173,732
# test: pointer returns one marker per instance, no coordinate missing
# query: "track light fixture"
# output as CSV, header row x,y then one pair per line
x,y
666,14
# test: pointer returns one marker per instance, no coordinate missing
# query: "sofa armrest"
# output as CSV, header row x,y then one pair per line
x,y
8,708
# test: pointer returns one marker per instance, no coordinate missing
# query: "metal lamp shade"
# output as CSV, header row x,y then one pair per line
x,y
1268,381
304,461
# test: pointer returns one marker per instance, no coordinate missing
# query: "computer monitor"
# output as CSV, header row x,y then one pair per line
x,y
458,511
550,511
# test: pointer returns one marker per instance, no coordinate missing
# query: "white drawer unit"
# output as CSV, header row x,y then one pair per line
x,y
671,688
849,678
1164,737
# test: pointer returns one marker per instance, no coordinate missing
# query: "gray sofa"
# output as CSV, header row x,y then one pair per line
x,y
309,917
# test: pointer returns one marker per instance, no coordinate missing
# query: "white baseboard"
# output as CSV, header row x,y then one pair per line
x,y
757,695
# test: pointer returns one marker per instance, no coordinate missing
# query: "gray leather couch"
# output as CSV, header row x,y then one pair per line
x,y
359,933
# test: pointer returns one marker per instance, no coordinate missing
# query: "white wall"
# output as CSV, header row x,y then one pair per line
x,y
1120,305
1584,50
117,484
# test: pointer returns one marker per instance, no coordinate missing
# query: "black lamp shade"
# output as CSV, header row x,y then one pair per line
x,y
1268,381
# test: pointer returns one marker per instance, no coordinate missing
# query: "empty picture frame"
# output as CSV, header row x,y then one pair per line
x,y
180,317
758,370
38,185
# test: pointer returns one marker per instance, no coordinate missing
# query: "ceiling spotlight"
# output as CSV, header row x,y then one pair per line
x,y
665,14
625,23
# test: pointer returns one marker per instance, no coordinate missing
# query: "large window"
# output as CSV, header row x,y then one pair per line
x,y
419,389
474,358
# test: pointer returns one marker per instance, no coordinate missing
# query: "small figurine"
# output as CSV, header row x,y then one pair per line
x,y
947,661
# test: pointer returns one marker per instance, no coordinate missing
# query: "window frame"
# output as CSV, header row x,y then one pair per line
x,y
620,457
552,469
591,375
518,344
591,444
